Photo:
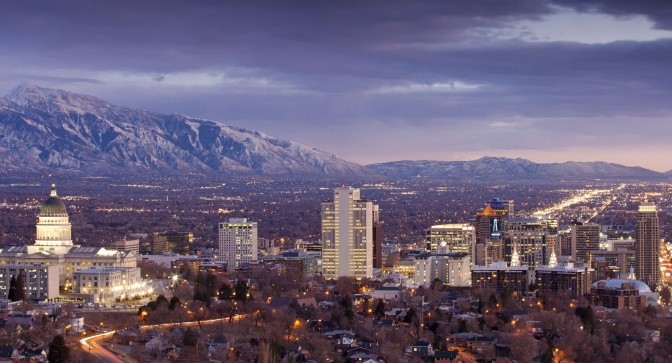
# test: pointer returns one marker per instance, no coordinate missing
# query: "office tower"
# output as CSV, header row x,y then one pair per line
x,y
238,242
502,206
347,235
526,235
585,238
647,244
451,238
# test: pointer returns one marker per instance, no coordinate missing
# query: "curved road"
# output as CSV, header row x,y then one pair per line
x,y
91,344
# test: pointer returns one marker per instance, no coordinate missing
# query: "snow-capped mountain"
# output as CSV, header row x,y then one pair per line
x,y
48,128
509,169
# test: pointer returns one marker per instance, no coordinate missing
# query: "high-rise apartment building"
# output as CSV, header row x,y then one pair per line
x,y
585,239
238,242
647,244
347,235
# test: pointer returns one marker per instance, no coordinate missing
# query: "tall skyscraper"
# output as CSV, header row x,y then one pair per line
x,y
347,235
585,239
238,242
647,245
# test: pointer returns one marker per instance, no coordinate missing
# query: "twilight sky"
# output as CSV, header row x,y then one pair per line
x,y
373,81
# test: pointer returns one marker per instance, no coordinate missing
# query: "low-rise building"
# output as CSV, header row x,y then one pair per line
x,y
106,285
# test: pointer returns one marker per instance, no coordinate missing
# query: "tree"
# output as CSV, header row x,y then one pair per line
x,y
587,318
190,338
11,295
242,291
161,299
174,302
380,309
20,288
666,295
58,350
226,292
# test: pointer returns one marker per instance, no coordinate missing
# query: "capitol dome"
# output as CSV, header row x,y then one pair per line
x,y
53,206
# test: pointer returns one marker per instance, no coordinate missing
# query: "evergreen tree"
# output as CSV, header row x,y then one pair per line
x,y
174,302
58,350
380,309
190,337
20,287
161,300
11,294
211,284
226,292
241,291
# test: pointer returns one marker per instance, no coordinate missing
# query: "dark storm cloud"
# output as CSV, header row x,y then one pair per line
x,y
418,75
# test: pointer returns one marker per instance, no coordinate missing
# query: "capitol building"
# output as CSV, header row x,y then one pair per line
x,y
54,268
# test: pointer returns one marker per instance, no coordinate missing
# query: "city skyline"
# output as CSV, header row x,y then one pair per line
x,y
546,81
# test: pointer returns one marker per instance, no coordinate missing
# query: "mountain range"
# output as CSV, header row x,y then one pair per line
x,y
511,169
50,129
47,128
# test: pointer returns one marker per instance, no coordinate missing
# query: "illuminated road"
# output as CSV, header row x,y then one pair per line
x,y
92,345
582,196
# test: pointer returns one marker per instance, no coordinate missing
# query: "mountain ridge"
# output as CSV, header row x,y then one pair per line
x,y
502,168
46,128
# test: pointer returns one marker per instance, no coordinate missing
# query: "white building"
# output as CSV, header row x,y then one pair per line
x,y
107,285
53,247
53,227
40,281
238,242
347,235
453,269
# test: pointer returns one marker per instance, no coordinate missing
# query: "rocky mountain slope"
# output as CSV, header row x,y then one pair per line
x,y
51,129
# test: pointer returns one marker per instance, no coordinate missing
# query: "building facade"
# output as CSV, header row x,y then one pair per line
x,y
647,245
451,238
527,237
108,285
238,242
500,277
452,269
172,241
563,279
40,281
585,239
347,235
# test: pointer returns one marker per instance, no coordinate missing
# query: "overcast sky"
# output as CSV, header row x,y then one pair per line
x,y
373,81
